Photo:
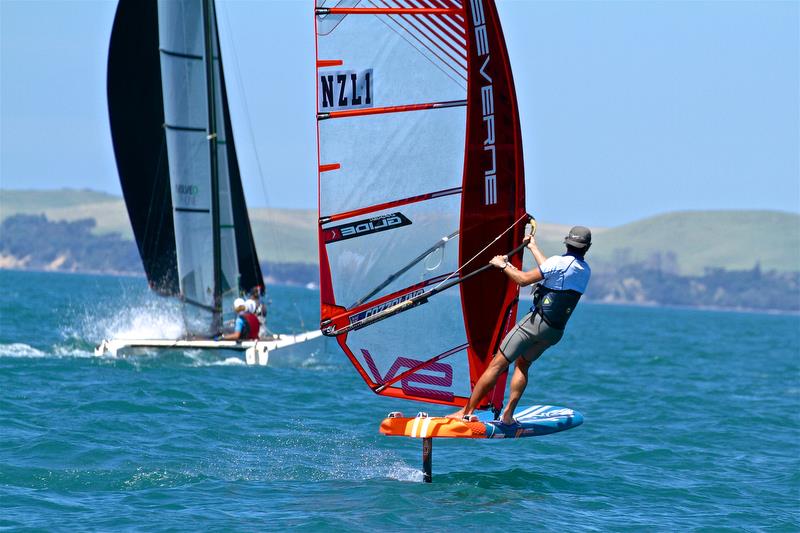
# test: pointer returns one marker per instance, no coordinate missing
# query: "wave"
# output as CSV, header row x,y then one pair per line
x,y
199,359
71,351
154,319
19,349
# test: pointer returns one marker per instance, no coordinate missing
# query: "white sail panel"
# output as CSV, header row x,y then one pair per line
x,y
191,199
385,349
412,48
181,38
180,26
364,262
390,156
183,85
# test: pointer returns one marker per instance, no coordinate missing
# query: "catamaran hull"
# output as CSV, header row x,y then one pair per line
x,y
256,352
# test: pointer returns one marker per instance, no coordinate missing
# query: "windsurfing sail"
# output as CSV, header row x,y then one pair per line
x,y
420,183
176,156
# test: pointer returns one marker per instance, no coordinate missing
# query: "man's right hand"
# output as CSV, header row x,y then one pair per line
x,y
499,261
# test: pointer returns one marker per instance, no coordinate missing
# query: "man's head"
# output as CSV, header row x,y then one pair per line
x,y
579,240
239,305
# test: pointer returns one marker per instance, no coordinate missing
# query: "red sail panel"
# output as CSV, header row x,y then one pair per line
x,y
494,187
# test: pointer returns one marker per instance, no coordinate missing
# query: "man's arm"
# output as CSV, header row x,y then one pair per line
x,y
237,333
537,253
520,277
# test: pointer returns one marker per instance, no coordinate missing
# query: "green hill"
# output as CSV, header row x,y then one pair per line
x,y
285,235
70,205
33,202
281,235
685,242
692,241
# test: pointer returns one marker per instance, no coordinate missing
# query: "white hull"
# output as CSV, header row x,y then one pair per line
x,y
256,352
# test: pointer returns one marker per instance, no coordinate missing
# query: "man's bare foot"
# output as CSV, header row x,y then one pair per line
x,y
458,414
507,419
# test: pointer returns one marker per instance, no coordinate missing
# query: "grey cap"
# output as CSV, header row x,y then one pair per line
x,y
579,237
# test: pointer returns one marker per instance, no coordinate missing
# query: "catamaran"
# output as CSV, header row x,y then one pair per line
x,y
174,146
421,183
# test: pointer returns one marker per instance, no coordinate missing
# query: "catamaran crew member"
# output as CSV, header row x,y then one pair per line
x,y
258,308
564,279
246,326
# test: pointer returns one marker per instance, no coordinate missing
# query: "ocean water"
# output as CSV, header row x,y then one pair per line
x,y
692,423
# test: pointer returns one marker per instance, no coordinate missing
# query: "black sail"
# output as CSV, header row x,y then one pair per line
x,y
136,113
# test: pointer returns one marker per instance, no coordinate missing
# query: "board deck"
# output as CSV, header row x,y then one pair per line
x,y
532,421
256,352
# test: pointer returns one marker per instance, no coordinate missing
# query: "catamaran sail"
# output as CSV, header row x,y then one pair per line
x,y
176,156
420,170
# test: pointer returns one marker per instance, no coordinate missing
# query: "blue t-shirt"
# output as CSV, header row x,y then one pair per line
x,y
240,324
565,272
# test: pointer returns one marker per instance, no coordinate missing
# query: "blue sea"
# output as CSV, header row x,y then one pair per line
x,y
692,423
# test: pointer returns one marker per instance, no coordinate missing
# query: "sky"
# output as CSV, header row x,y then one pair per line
x,y
628,108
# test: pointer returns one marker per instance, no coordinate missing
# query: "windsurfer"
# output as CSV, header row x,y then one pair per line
x,y
246,326
563,280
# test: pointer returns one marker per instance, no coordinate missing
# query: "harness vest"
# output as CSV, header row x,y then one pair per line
x,y
555,307
250,331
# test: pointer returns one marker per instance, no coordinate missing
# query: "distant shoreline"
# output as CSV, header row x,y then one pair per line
x,y
522,298
109,274
655,305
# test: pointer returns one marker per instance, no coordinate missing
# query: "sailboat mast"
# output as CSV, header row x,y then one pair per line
x,y
208,7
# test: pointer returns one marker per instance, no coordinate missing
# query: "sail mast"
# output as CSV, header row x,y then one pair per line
x,y
208,7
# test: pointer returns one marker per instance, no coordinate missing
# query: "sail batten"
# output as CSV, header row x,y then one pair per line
x,y
182,55
385,11
388,205
391,109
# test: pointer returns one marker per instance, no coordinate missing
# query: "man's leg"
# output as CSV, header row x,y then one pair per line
x,y
485,383
518,383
